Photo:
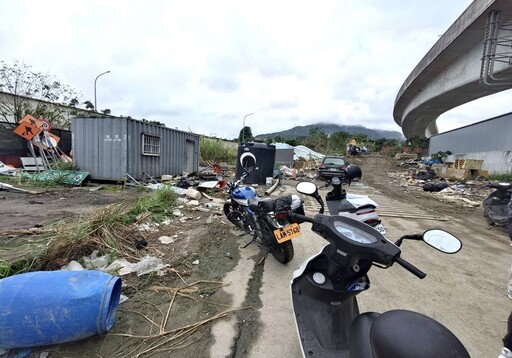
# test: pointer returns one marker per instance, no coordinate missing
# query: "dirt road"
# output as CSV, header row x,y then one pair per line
x,y
466,292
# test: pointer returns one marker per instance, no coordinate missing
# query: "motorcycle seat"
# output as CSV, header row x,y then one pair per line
x,y
402,333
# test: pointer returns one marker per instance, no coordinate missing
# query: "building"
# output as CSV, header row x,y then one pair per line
x,y
489,140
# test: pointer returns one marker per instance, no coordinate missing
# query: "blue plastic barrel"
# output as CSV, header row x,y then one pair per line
x,y
52,307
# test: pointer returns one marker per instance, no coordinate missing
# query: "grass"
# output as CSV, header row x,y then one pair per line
x,y
216,151
112,230
28,180
503,177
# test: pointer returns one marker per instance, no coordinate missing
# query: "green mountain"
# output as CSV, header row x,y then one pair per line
x,y
302,131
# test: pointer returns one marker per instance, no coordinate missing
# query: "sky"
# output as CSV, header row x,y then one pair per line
x,y
204,66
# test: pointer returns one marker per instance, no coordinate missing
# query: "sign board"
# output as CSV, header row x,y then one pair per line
x,y
30,126
47,126
27,130
33,121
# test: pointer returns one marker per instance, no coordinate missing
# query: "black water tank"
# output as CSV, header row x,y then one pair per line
x,y
265,157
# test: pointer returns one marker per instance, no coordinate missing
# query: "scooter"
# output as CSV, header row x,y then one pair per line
x,y
358,207
496,204
325,287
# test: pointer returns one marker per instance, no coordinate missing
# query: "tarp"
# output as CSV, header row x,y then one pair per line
x,y
70,177
300,151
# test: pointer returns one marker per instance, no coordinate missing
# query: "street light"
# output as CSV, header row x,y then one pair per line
x,y
243,128
101,74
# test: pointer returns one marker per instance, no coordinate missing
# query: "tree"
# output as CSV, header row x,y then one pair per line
x,y
245,135
417,142
34,93
317,140
338,142
89,105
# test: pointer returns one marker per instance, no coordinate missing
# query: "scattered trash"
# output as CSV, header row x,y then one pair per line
x,y
123,267
193,203
73,266
193,194
196,262
167,239
7,170
4,186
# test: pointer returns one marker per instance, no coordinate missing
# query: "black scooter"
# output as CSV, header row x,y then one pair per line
x,y
325,287
497,203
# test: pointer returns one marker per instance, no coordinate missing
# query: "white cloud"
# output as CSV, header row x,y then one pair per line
x,y
201,65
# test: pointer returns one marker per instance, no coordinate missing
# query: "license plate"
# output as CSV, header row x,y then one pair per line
x,y
287,233
333,169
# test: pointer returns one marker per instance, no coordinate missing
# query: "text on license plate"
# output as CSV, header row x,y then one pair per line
x,y
287,233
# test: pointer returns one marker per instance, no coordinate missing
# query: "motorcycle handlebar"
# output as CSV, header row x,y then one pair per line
x,y
410,267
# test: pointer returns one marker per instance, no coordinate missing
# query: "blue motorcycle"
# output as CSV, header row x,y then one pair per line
x,y
266,220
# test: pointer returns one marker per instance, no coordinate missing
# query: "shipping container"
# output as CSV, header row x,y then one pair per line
x,y
110,148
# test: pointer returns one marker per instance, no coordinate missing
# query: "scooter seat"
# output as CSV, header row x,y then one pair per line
x,y
418,336
360,346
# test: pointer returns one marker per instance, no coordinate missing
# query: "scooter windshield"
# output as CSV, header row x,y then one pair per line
x,y
354,234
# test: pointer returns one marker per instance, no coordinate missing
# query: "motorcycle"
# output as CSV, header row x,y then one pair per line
x,y
496,205
266,220
358,207
325,287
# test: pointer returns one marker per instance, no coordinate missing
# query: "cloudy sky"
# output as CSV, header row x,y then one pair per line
x,y
203,65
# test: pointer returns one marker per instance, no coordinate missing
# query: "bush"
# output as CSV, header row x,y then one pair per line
x,y
501,177
217,151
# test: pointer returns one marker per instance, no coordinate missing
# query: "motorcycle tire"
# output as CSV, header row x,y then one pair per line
x,y
488,219
283,253
233,216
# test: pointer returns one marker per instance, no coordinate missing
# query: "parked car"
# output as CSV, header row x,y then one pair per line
x,y
333,166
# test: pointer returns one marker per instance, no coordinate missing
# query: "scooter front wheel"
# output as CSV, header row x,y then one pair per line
x,y
488,219
283,253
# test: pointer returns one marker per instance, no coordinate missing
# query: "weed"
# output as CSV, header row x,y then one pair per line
x,y
501,177
9,269
216,151
62,166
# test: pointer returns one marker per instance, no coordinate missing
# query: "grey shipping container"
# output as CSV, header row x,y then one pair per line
x,y
109,148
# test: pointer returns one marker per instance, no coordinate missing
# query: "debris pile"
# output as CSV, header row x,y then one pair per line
x,y
461,182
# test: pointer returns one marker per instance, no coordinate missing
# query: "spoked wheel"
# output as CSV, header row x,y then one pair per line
x,y
283,252
233,216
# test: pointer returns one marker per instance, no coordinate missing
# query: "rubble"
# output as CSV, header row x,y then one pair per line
x,y
467,187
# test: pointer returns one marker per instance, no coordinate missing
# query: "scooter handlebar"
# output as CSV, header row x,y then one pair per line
x,y
302,217
410,267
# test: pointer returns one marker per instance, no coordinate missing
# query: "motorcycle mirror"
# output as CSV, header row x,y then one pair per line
x,y
306,187
442,241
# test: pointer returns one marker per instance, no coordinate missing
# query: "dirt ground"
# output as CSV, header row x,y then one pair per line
x,y
172,315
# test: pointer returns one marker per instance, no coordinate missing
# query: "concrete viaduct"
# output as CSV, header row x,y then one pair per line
x,y
471,60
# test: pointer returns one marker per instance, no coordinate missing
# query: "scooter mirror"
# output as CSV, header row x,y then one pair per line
x,y
442,240
306,187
